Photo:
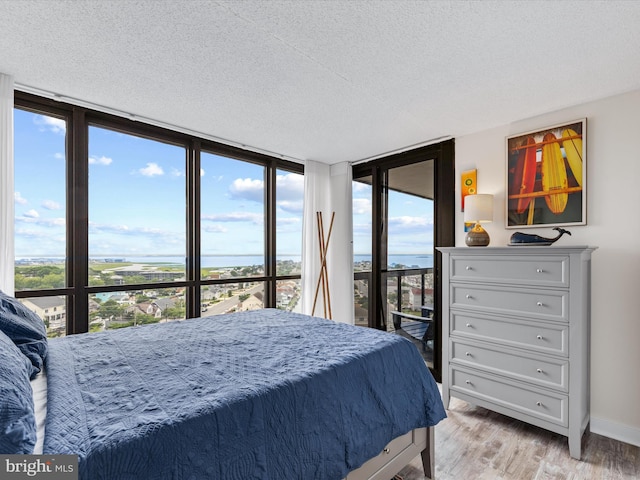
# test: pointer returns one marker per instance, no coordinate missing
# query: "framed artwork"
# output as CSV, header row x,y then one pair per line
x,y
546,176
468,186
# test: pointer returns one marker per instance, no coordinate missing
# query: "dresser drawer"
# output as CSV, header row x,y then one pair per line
x,y
543,337
526,270
540,370
542,304
515,396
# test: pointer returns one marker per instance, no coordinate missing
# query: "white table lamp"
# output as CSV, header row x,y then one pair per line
x,y
478,209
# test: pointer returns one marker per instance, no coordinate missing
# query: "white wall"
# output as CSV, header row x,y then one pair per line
x,y
613,225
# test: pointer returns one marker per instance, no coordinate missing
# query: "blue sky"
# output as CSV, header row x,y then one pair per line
x,y
410,225
137,200
137,197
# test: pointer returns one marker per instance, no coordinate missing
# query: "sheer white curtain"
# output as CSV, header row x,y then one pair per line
x,y
6,185
327,189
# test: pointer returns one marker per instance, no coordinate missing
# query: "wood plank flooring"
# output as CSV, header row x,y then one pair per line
x,y
474,443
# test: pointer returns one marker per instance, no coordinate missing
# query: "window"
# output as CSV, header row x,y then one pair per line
x,y
289,205
137,209
232,217
362,235
119,223
40,200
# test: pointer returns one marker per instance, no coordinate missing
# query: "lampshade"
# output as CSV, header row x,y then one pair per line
x,y
478,209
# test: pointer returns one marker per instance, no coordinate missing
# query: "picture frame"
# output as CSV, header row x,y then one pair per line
x,y
547,176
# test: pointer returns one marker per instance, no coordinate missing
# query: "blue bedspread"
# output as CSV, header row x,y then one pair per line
x,y
252,395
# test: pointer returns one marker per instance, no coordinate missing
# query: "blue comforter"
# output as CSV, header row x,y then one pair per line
x,y
252,395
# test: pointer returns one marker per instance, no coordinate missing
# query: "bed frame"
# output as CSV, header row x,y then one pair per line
x,y
397,454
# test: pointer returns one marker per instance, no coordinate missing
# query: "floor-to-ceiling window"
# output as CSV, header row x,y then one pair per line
x,y
402,210
119,223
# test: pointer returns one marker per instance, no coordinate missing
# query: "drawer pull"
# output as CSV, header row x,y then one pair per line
x,y
468,382
539,404
468,354
468,296
539,370
386,450
539,304
468,325
539,337
468,268
539,270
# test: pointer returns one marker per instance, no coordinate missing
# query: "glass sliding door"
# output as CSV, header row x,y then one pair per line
x,y
407,250
402,210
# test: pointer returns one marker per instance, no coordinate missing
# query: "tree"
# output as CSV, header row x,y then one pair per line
x,y
111,309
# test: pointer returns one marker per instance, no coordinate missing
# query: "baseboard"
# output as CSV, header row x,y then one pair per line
x,y
617,431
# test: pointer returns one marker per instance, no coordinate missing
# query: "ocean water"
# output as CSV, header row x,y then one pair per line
x,y
211,261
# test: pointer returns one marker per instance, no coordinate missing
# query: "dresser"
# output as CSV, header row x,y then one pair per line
x,y
516,333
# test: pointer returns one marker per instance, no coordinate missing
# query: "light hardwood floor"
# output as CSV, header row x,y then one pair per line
x,y
474,443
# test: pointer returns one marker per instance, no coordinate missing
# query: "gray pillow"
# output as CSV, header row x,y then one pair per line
x,y
26,330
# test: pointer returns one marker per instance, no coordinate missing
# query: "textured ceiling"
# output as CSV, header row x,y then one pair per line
x,y
324,80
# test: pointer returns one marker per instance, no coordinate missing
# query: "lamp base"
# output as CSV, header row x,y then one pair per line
x,y
477,237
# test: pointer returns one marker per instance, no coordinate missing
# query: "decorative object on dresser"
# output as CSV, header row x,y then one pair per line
x,y
520,238
478,209
516,333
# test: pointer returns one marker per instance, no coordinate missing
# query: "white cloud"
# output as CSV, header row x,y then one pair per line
x,y
59,222
177,173
290,187
151,170
59,156
32,217
235,217
360,187
50,205
406,223
19,199
121,229
56,125
247,188
289,220
291,207
215,229
100,160
362,206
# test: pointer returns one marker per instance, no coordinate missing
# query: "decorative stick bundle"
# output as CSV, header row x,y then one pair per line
x,y
323,278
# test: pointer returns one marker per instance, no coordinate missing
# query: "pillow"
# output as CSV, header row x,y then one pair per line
x,y
26,330
17,417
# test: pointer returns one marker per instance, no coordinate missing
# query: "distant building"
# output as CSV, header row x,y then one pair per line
x,y
150,273
52,310
159,305
286,292
251,303
415,297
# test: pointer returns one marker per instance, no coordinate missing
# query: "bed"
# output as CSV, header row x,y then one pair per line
x,y
264,394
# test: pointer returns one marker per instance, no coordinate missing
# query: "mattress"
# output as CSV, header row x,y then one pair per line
x,y
262,394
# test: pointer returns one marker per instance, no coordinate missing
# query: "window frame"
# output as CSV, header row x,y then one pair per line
x,y
77,290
